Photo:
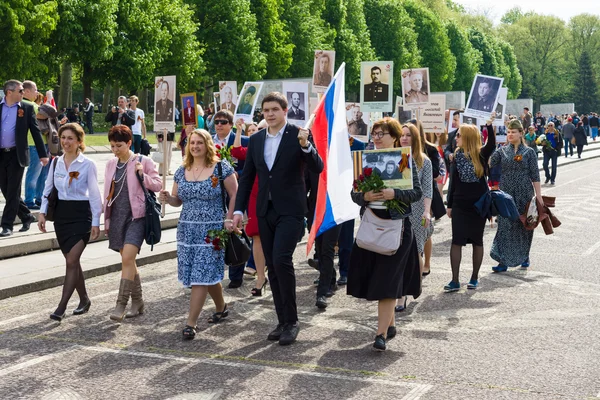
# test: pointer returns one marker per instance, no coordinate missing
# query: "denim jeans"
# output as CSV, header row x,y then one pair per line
x,y
568,146
35,178
550,155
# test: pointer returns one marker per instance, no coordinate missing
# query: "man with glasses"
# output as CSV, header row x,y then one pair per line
x,y
17,120
224,138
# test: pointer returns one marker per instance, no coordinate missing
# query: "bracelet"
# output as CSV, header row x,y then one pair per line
x,y
228,220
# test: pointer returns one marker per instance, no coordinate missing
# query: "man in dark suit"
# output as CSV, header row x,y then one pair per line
x,y
164,108
376,91
228,104
485,98
295,112
17,120
451,143
277,156
120,115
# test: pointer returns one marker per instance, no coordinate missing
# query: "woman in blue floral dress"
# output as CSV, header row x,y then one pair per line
x,y
200,261
521,179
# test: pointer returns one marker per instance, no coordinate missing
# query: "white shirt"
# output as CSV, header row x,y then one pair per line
x,y
136,129
222,143
84,187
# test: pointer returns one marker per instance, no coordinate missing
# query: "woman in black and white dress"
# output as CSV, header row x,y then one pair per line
x,y
77,213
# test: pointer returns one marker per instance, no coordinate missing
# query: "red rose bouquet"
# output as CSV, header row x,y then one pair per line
x,y
224,153
368,181
218,238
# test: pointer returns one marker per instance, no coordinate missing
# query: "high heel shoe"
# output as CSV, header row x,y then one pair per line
x,y
258,291
401,308
57,317
84,309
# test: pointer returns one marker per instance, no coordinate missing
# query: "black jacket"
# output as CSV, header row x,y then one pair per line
x,y
128,118
285,181
26,121
450,147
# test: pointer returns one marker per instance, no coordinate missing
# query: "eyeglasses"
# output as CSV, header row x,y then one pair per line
x,y
221,122
20,91
379,134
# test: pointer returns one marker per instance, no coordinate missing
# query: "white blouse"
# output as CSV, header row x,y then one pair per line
x,y
82,187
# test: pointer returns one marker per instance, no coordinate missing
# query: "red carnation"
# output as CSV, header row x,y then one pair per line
x,y
368,172
207,239
361,178
218,147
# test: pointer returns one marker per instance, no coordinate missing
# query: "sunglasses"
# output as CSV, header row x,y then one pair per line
x,y
379,134
20,91
221,122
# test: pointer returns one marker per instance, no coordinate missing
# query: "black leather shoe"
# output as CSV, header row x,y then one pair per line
x,y
276,333
27,223
391,332
82,309
321,302
57,317
289,334
235,284
5,232
342,281
379,344
313,263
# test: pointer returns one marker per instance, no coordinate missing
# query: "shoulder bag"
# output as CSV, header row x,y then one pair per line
x,y
382,236
53,196
238,249
153,228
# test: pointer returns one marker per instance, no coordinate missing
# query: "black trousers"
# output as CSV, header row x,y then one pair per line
x,y
345,243
279,236
11,175
90,124
325,244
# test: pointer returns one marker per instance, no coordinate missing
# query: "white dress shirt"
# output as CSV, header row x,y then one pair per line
x,y
222,143
84,187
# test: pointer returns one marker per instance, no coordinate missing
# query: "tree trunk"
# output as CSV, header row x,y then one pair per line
x,y
106,97
66,85
86,80
143,96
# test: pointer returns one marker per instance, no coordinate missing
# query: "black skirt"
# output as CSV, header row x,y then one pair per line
x,y
72,223
467,226
375,276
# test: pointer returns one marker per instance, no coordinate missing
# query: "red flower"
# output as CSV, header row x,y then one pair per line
x,y
216,241
216,247
218,147
355,185
207,239
368,172
219,155
361,178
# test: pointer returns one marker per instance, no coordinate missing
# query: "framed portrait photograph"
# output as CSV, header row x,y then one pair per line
x,y
247,101
484,96
216,101
358,121
228,95
501,107
452,124
404,115
377,86
297,97
323,70
415,87
188,109
392,165
164,103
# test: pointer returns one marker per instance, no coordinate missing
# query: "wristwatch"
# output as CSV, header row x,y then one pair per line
x,y
306,147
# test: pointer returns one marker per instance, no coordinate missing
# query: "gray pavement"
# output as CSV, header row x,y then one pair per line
x,y
525,334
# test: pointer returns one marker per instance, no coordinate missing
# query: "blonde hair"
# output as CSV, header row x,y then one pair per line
x,y
211,151
471,146
416,146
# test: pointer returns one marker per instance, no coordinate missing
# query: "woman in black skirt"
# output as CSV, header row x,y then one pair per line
x,y
77,213
467,184
376,277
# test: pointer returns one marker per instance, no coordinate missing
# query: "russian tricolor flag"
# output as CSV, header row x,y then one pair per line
x,y
330,134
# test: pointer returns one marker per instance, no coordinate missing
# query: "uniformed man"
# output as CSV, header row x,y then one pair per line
x,y
415,94
323,77
246,104
164,107
357,127
376,91
484,101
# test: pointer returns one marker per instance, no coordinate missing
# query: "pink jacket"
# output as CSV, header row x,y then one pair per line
x,y
152,182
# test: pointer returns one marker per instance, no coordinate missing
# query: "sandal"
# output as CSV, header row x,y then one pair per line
x,y
189,332
218,316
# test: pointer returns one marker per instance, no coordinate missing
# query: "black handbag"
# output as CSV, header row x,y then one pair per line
x,y
53,196
153,208
238,249
437,203
145,147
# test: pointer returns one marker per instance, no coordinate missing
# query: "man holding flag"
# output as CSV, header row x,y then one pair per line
x,y
278,155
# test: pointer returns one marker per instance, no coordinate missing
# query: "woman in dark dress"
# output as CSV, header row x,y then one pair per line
x,y
580,138
376,277
467,184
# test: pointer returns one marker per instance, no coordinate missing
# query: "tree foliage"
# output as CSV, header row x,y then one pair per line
x,y
585,88
393,36
481,43
434,46
468,59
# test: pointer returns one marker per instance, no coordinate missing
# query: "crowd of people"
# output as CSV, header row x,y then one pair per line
x,y
269,188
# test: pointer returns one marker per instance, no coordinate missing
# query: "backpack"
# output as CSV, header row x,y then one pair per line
x,y
49,127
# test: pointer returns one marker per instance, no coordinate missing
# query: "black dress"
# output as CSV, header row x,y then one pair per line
x,y
374,276
467,224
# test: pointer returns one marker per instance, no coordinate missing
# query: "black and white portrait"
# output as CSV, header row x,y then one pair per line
x,y
164,103
323,70
228,95
404,115
415,86
376,86
484,96
357,120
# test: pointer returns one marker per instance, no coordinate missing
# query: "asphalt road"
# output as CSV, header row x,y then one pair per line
x,y
525,334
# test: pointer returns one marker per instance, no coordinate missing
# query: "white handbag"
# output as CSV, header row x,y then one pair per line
x,y
382,236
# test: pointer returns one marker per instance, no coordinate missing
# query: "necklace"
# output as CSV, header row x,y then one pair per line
x,y
199,175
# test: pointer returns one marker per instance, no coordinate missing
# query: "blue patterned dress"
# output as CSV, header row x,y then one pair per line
x,y
198,263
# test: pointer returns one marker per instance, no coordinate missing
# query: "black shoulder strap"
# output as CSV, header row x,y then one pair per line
x,y
140,178
54,169
220,170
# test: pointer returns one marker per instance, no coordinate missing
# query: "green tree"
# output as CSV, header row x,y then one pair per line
x,y
514,15
308,32
468,59
513,80
393,36
585,35
434,45
229,40
585,88
480,42
274,38
24,31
